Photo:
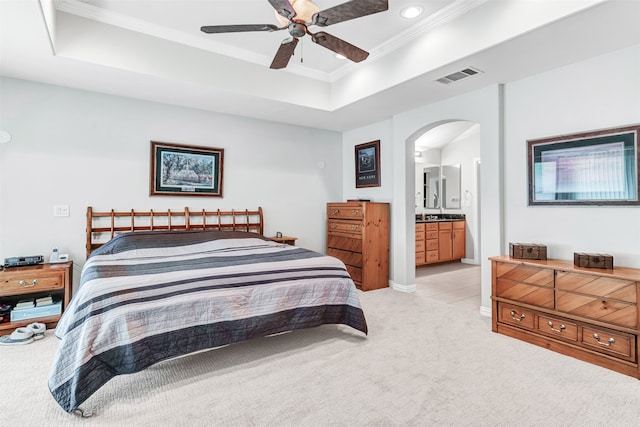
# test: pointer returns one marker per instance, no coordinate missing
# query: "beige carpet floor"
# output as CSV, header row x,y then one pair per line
x,y
430,360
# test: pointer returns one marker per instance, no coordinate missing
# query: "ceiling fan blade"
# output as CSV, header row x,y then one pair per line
x,y
339,46
284,8
215,29
349,10
284,53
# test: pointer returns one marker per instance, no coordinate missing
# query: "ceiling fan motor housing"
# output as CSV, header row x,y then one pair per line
x,y
297,29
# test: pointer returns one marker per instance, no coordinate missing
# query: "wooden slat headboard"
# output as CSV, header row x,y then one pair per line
x,y
102,226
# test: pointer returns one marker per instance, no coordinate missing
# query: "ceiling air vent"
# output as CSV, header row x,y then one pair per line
x,y
458,75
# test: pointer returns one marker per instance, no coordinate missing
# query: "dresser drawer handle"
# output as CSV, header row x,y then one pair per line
x,y
354,227
355,212
606,344
24,284
557,330
513,316
335,211
334,225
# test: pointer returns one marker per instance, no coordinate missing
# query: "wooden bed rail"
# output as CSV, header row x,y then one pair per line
x,y
102,226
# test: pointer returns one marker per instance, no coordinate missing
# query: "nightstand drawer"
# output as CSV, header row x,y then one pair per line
x,y
21,282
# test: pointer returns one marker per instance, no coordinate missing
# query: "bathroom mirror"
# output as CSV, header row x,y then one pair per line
x,y
451,187
431,189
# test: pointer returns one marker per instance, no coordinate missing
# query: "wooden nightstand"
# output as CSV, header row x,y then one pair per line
x,y
35,281
284,239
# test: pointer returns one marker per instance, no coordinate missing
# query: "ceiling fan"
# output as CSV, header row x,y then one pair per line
x,y
297,16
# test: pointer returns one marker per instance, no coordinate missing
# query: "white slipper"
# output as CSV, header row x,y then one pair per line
x,y
20,336
38,330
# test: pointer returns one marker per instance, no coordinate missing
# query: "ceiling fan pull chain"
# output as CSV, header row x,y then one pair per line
x,y
302,52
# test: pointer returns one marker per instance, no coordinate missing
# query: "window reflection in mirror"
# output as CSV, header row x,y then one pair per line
x,y
451,187
431,191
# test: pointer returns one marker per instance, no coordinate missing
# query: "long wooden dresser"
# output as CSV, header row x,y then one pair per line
x,y
587,313
358,235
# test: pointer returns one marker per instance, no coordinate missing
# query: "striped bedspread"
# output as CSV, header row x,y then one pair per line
x,y
146,297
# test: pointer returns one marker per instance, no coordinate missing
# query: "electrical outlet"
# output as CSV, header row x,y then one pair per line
x,y
61,210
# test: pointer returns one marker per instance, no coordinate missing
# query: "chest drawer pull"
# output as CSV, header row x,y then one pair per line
x,y
606,344
512,313
24,284
558,330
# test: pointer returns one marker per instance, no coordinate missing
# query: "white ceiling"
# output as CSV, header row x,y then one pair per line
x,y
155,50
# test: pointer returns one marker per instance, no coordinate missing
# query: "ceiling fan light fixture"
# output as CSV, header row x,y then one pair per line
x,y
411,12
340,56
305,9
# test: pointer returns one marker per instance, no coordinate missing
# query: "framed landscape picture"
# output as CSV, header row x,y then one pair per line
x,y
185,170
368,164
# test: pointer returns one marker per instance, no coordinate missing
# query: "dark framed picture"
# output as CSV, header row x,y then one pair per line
x,y
368,164
185,170
589,168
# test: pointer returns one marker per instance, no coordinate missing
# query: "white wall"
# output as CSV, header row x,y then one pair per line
x,y
82,149
599,93
465,151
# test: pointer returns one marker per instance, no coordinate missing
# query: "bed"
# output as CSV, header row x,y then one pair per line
x,y
167,284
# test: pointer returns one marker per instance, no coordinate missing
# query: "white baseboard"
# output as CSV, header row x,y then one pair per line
x,y
485,311
402,288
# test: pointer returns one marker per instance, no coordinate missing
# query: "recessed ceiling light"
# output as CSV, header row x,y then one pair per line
x,y
411,12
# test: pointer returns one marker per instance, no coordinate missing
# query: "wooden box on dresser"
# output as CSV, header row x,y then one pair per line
x,y
587,313
358,235
35,281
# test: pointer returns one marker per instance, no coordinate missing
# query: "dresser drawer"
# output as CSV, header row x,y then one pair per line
x,y
431,226
420,245
523,292
345,212
355,273
557,328
525,273
598,308
345,243
341,227
22,282
431,245
431,235
614,343
517,316
421,257
349,258
420,228
420,235
598,286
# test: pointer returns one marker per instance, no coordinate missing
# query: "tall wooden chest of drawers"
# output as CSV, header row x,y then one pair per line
x,y
358,235
587,313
